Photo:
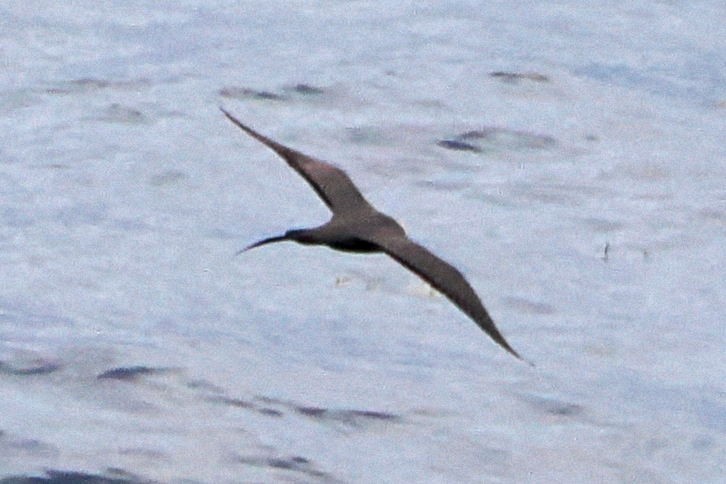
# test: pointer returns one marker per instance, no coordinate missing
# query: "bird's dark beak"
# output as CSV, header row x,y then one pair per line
x,y
269,240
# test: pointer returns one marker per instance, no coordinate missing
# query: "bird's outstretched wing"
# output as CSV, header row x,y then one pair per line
x,y
444,278
331,183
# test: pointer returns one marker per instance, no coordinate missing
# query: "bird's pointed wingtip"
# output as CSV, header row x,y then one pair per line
x,y
522,359
227,113
244,127
527,362
514,353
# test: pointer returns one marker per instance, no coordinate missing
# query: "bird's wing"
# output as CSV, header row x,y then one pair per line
x,y
444,278
331,183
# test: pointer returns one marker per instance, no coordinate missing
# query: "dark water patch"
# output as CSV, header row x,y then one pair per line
x,y
167,177
703,443
493,138
10,445
270,412
508,136
273,407
516,77
349,417
234,402
553,406
87,84
38,367
713,214
147,454
130,373
367,135
119,113
247,405
353,418
205,385
295,464
314,412
82,214
564,409
288,92
306,90
71,477
242,93
532,307
457,145
602,225
119,473
270,400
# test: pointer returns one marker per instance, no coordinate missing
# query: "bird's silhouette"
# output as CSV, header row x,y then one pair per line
x,y
358,227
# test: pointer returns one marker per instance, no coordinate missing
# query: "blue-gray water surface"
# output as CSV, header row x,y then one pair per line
x,y
568,159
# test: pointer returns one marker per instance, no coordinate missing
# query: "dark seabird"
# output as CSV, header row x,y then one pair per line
x,y
358,227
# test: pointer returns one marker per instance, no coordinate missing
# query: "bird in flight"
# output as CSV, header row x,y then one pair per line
x,y
358,227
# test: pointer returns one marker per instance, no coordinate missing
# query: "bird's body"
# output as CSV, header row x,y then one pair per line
x,y
356,226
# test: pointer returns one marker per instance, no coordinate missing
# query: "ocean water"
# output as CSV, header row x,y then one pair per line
x,y
569,159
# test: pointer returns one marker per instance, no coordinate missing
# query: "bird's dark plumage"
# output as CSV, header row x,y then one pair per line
x,y
358,227
332,184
